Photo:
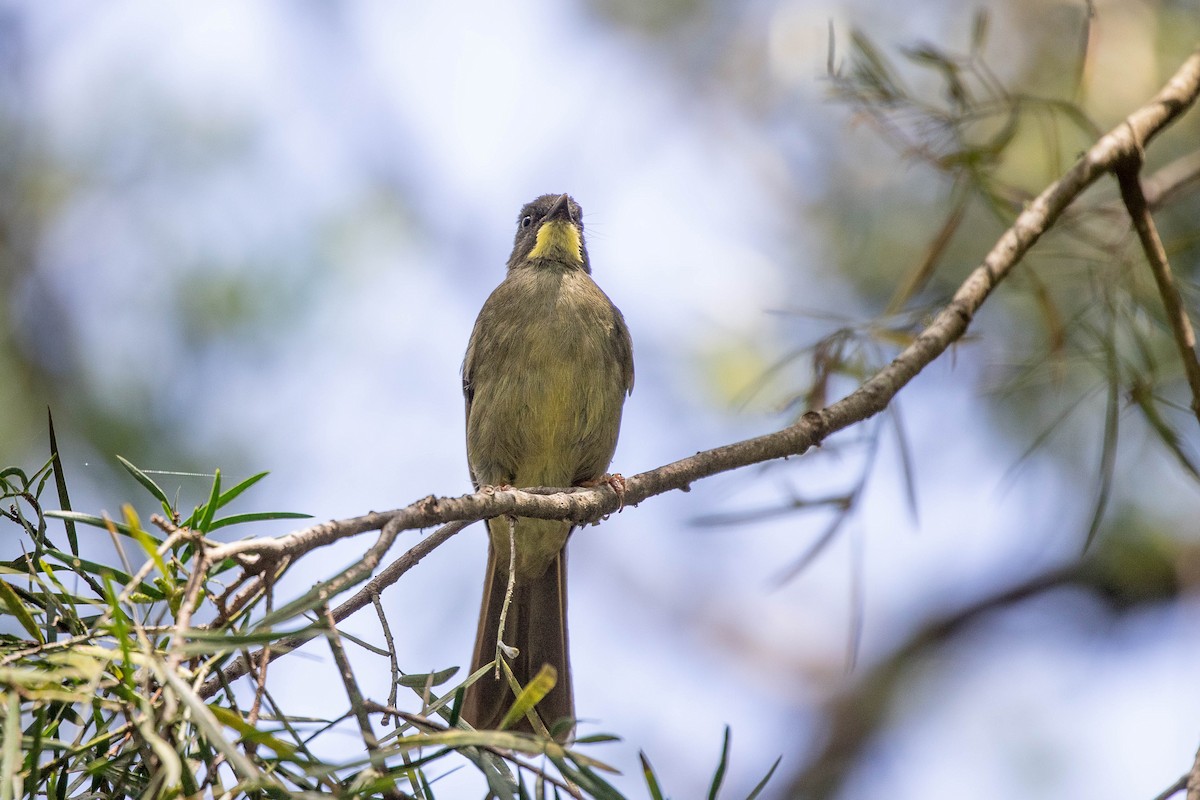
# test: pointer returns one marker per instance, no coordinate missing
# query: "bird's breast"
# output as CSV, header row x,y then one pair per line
x,y
548,388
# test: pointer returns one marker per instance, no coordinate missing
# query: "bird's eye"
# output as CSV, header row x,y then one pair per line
x,y
526,221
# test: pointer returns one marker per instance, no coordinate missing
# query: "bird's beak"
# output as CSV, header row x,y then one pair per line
x,y
560,210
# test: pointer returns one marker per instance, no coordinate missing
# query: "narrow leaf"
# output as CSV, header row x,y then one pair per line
x,y
147,542
763,783
18,610
210,508
979,29
249,733
420,681
229,494
722,765
60,483
82,565
237,519
531,695
12,746
1108,449
146,481
206,721
651,779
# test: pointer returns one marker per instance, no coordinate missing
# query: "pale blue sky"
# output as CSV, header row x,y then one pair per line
x,y
362,165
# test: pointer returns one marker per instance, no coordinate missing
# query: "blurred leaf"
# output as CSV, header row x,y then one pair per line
x,y
12,746
1108,448
93,520
210,727
83,565
923,271
238,519
217,640
979,29
907,470
719,776
168,759
931,56
651,779
532,694
1167,434
421,680
148,543
871,69
815,549
249,733
18,610
766,779
598,738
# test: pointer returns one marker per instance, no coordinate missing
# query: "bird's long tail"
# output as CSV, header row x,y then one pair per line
x,y
536,624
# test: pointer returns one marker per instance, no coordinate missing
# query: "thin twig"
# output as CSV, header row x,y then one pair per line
x,y
359,600
1177,318
260,677
191,598
357,705
393,693
503,650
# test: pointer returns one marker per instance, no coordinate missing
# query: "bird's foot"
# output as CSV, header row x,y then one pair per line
x,y
615,481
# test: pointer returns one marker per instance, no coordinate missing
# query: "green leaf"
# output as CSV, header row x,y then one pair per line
x,y
872,69
91,519
763,783
420,681
171,766
587,779
18,610
651,779
230,640
60,484
249,733
979,29
719,776
1170,438
148,483
238,519
1108,447
78,565
597,738
210,508
12,746
204,719
229,494
531,695
147,542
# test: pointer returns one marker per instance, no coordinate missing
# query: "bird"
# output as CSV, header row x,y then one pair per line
x,y
546,373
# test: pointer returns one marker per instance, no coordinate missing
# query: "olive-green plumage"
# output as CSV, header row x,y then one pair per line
x,y
545,376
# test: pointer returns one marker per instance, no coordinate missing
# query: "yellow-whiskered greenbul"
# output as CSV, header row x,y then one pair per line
x,y
545,377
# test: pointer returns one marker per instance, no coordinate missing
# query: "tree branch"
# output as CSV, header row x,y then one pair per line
x,y
1177,318
1193,779
584,506
1172,180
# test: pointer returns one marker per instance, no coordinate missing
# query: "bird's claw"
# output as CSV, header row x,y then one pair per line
x,y
616,482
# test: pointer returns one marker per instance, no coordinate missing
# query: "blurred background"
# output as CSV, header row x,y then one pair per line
x,y
254,236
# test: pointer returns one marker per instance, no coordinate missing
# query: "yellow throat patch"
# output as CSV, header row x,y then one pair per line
x,y
559,240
